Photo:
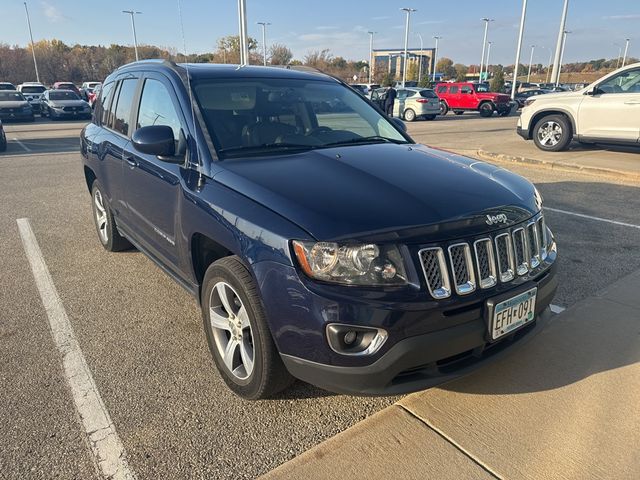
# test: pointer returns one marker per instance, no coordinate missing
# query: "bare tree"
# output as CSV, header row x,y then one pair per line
x,y
280,54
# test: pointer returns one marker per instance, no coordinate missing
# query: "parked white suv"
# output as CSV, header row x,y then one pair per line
x,y
607,111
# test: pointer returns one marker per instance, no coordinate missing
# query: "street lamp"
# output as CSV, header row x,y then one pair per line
x,y
619,54
242,30
33,50
548,63
484,43
420,58
555,76
533,47
488,53
626,50
371,34
264,40
435,57
133,27
517,64
564,42
406,42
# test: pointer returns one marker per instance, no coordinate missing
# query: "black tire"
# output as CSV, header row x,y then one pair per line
x,y
561,138
409,115
486,110
268,374
458,112
108,233
444,108
430,117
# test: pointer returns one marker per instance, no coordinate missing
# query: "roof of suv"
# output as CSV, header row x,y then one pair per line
x,y
212,70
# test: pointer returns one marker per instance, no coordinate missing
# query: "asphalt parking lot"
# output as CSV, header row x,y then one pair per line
x,y
142,337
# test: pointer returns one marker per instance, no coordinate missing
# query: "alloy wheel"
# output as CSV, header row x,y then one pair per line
x,y
231,330
550,134
102,220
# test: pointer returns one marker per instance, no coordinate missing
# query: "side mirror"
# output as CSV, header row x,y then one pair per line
x,y
399,123
595,91
154,140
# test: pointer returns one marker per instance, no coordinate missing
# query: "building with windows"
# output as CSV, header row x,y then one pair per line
x,y
391,61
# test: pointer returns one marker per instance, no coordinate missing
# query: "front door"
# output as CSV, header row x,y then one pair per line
x,y
398,106
613,110
152,186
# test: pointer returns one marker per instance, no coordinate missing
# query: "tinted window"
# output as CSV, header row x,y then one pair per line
x,y
442,89
428,94
453,90
105,100
63,95
33,89
466,90
123,109
156,108
11,96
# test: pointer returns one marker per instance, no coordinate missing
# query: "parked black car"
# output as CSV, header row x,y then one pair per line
x,y
522,97
59,104
13,106
321,244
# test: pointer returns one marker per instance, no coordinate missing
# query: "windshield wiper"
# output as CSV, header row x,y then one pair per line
x,y
371,139
265,148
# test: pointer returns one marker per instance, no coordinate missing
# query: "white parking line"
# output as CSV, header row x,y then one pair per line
x,y
556,308
590,217
107,449
26,149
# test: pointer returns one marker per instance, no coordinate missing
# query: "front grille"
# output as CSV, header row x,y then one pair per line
x,y
486,261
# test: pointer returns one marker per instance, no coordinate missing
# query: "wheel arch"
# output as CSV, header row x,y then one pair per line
x,y
551,111
205,251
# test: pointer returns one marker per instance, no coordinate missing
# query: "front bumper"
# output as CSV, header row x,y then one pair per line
x,y
75,114
425,360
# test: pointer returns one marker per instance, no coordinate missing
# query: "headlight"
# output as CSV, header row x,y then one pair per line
x,y
351,264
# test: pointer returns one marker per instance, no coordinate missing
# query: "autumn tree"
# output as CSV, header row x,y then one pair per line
x,y
280,54
445,66
461,72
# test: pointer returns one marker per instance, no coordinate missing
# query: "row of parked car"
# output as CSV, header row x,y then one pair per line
x,y
62,100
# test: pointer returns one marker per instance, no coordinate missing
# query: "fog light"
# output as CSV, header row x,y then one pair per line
x,y
355,340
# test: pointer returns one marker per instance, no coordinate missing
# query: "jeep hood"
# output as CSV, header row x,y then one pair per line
x,y
383,192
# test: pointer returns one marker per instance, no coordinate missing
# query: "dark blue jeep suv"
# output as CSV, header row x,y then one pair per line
x,y
321,241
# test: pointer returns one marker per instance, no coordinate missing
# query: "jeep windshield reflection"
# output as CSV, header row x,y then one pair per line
x,y
269,116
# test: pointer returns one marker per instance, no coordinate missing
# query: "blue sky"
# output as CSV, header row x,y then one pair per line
x,y
339,25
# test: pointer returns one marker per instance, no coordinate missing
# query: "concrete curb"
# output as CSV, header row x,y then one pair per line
x,y
555,165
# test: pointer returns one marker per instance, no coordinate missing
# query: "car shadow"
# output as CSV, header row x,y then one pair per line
x,y
589,147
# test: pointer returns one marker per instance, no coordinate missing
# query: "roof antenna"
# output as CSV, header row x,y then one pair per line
x,y
193,113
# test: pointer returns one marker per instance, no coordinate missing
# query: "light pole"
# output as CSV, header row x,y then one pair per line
x,y
33,50
435,57
564,42
548,63
406,42
533,47
626,50
619,54
484,43
555,76
371,34
488,54
264,41
133,27
242,27
420,58
515,68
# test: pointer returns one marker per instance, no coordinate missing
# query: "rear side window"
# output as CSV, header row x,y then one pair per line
x,y
105,102
428,94
123,108
442,89
453,90
466,90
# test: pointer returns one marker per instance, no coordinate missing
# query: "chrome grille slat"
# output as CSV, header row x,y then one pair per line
x,y
542,229
485,262
506,262
434,267
533,242
520,251
462,268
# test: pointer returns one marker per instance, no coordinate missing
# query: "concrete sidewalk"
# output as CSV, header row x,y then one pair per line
x,y
565,405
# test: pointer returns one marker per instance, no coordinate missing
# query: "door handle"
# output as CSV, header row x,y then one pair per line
x,y
131,161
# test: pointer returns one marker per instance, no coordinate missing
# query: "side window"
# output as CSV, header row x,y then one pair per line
x,y
105,99
402,94
625,82
466,89
156,108
123,108
442,89
453,89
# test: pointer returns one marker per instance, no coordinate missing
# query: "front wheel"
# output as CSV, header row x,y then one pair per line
x,y
409,115
552,133
237,332
486,110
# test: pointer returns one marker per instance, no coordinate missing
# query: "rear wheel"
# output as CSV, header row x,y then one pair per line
x,y
106,228
237,332
552,133
409,115
444,108
486,110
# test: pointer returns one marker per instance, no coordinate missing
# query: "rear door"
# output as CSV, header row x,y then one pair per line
x,y
613,112
453,97
152,186
399,104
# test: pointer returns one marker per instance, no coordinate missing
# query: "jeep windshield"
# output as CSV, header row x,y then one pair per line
x,y
268,116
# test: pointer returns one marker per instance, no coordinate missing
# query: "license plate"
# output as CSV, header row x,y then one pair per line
x,y
513,313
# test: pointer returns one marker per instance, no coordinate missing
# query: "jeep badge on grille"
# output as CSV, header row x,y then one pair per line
x,y
493,219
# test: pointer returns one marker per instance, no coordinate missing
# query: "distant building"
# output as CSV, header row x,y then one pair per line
x,y
391,61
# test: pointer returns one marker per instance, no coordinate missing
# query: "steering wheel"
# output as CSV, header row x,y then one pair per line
x,y
318,130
